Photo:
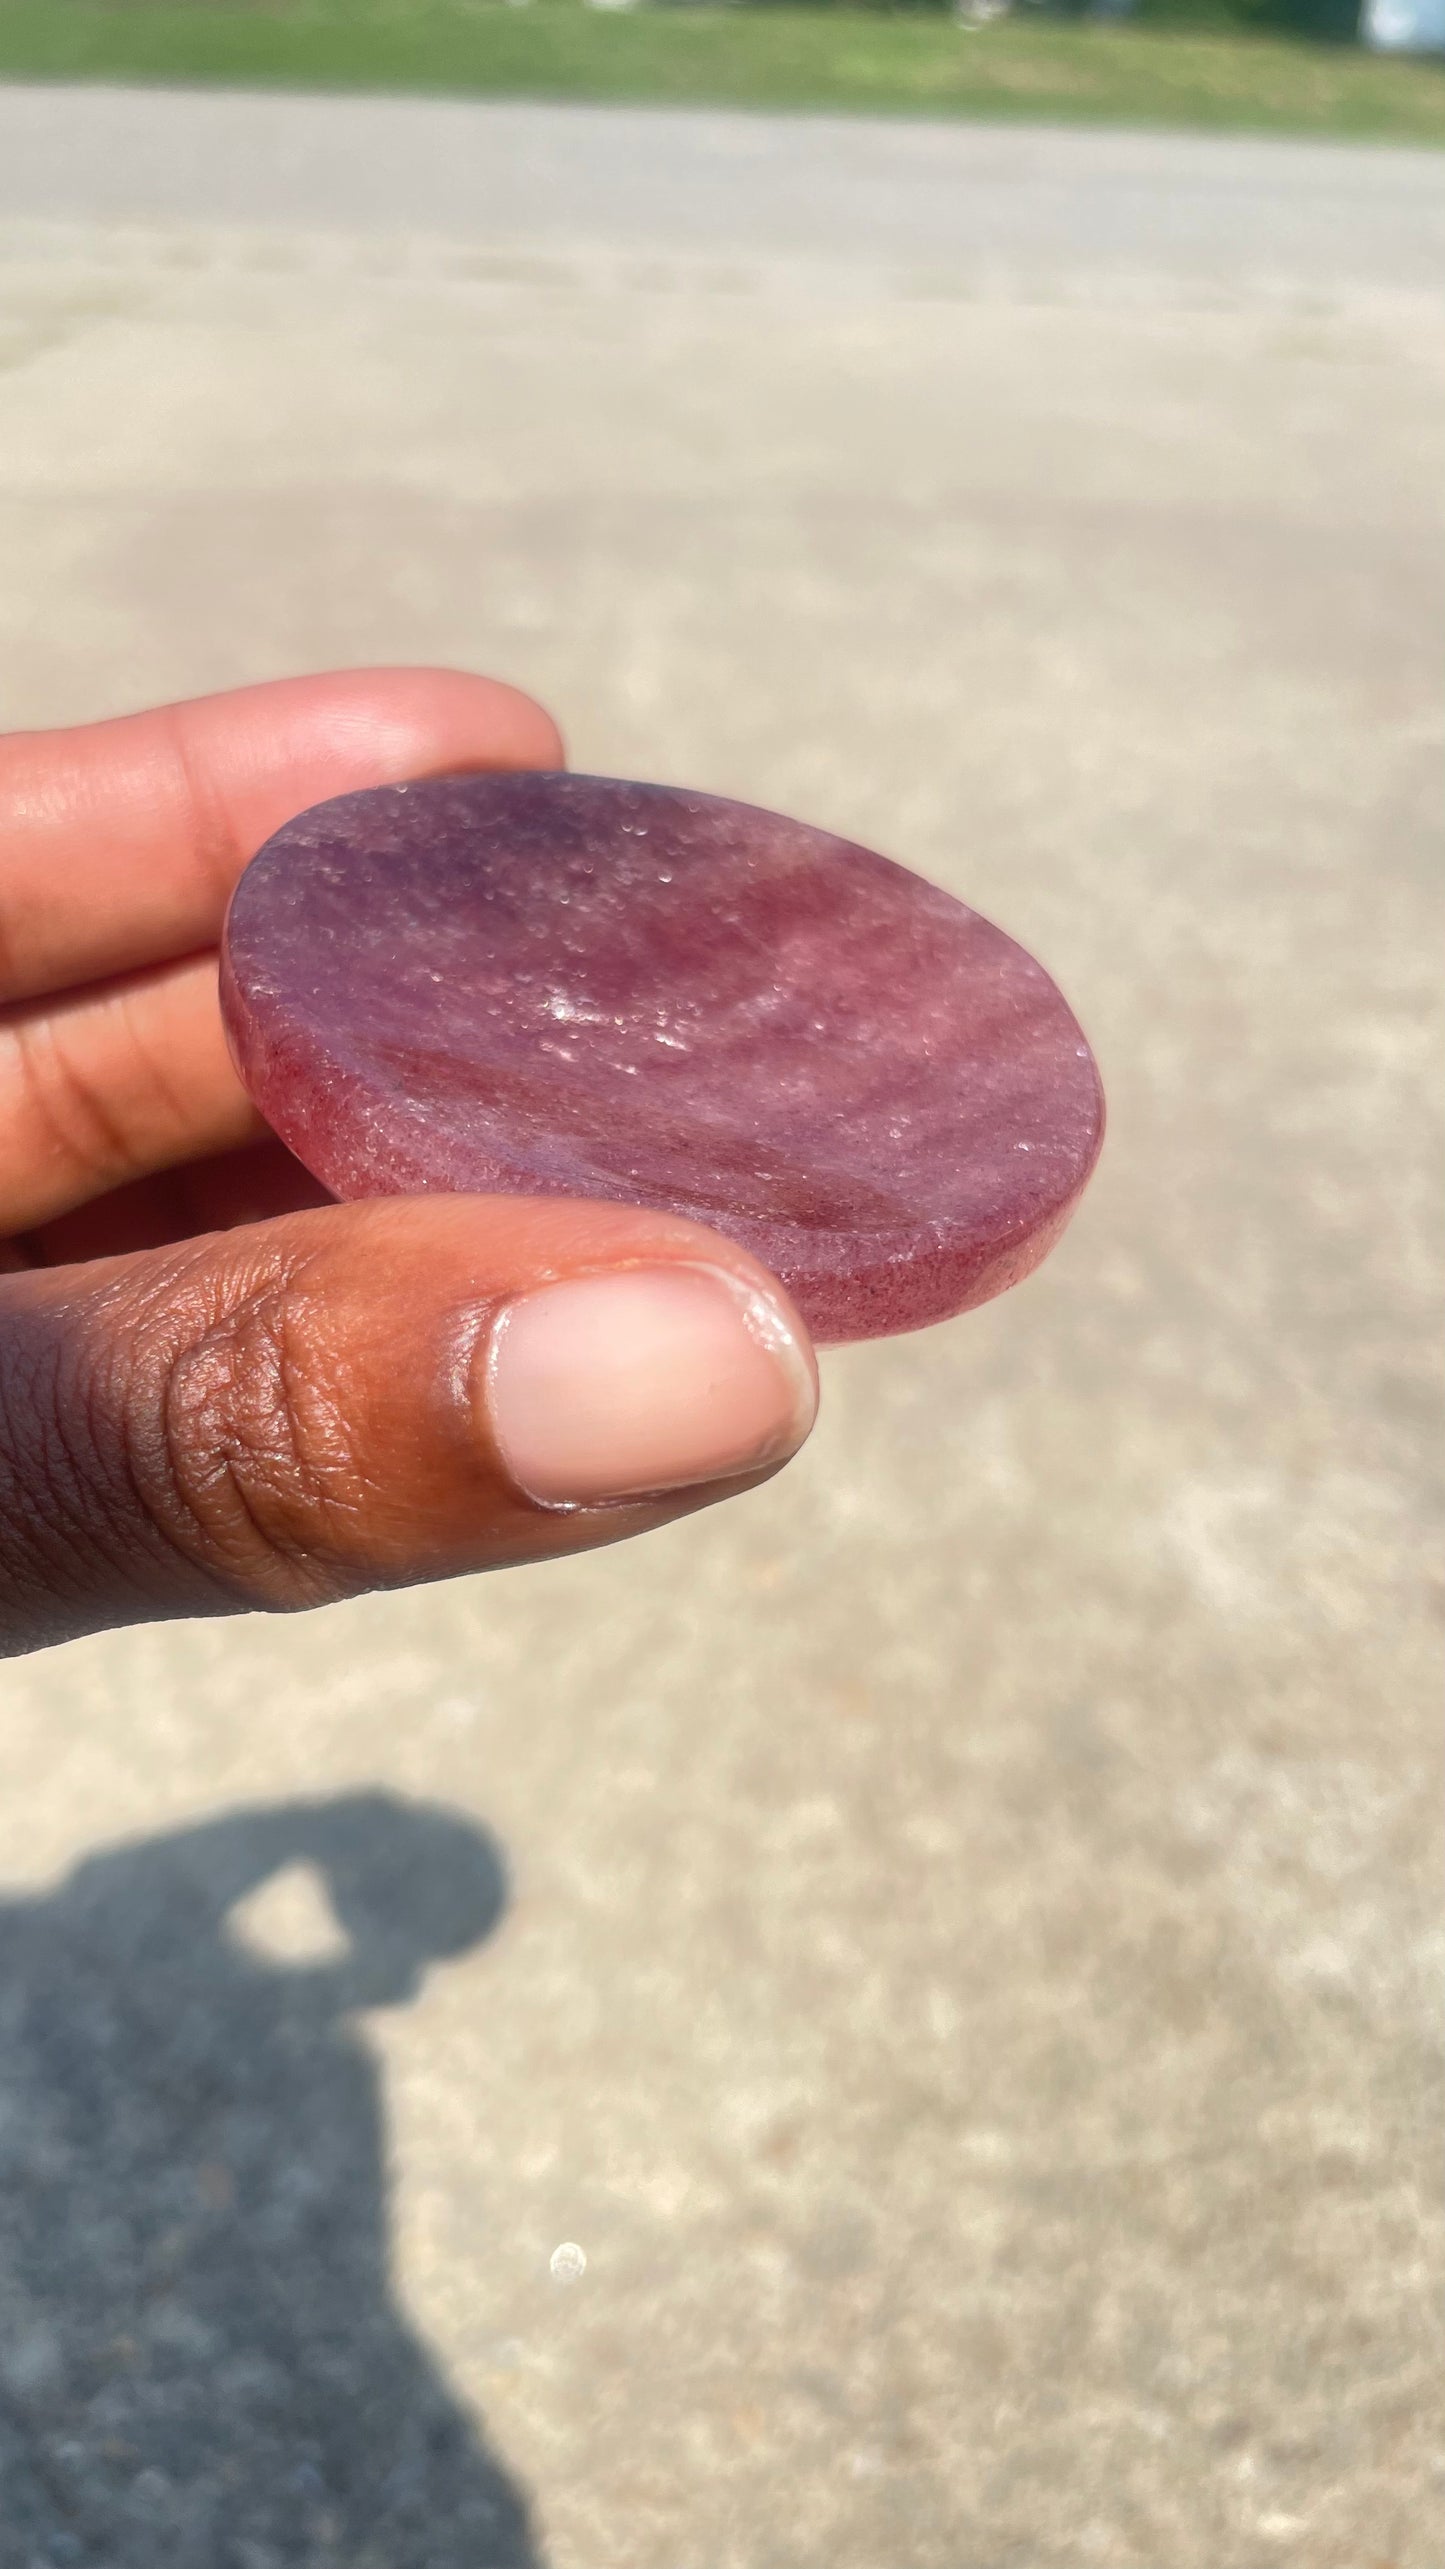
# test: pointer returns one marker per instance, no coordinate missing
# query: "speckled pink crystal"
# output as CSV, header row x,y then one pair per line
x,y
565,985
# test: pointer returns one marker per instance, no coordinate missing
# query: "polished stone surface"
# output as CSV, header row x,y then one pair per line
x,y
571,985
968,1973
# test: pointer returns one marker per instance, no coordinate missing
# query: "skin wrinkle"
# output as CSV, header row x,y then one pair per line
x,y
70,1493
266,1398
133,1013
192,1446
212,836
242,1452
91,1144
103,1393
84,1144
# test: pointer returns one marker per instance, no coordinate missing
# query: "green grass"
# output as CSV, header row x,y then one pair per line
x,y
767,57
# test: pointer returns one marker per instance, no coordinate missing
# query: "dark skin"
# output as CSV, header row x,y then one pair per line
x,y
218,1390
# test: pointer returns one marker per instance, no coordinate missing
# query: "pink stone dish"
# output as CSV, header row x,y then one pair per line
x,y
548,984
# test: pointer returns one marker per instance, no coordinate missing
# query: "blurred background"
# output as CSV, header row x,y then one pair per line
x,y
954,1939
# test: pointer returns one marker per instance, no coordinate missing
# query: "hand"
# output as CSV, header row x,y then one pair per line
x,y
221,1391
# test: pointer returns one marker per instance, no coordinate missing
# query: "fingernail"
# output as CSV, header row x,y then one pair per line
x,y
650,1378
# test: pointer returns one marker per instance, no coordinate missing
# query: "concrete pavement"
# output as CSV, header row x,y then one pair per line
x,y
955,1939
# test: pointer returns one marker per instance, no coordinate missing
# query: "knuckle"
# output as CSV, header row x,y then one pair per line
x,y
89,1094
75,1533
171,1444
257,1459
64,1120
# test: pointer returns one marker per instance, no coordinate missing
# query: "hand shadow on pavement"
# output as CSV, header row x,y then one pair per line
x,y
202,2361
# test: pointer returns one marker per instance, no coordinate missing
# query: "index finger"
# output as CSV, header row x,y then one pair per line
x,y
120,841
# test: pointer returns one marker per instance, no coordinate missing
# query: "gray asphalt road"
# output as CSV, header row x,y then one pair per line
x,y
955,1939
949,200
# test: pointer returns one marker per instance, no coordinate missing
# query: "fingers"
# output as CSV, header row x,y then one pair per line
x,y
374,1394
119,845
120,841
112,1082
249,1185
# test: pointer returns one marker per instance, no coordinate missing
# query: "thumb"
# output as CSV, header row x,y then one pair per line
x,y
373,1394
